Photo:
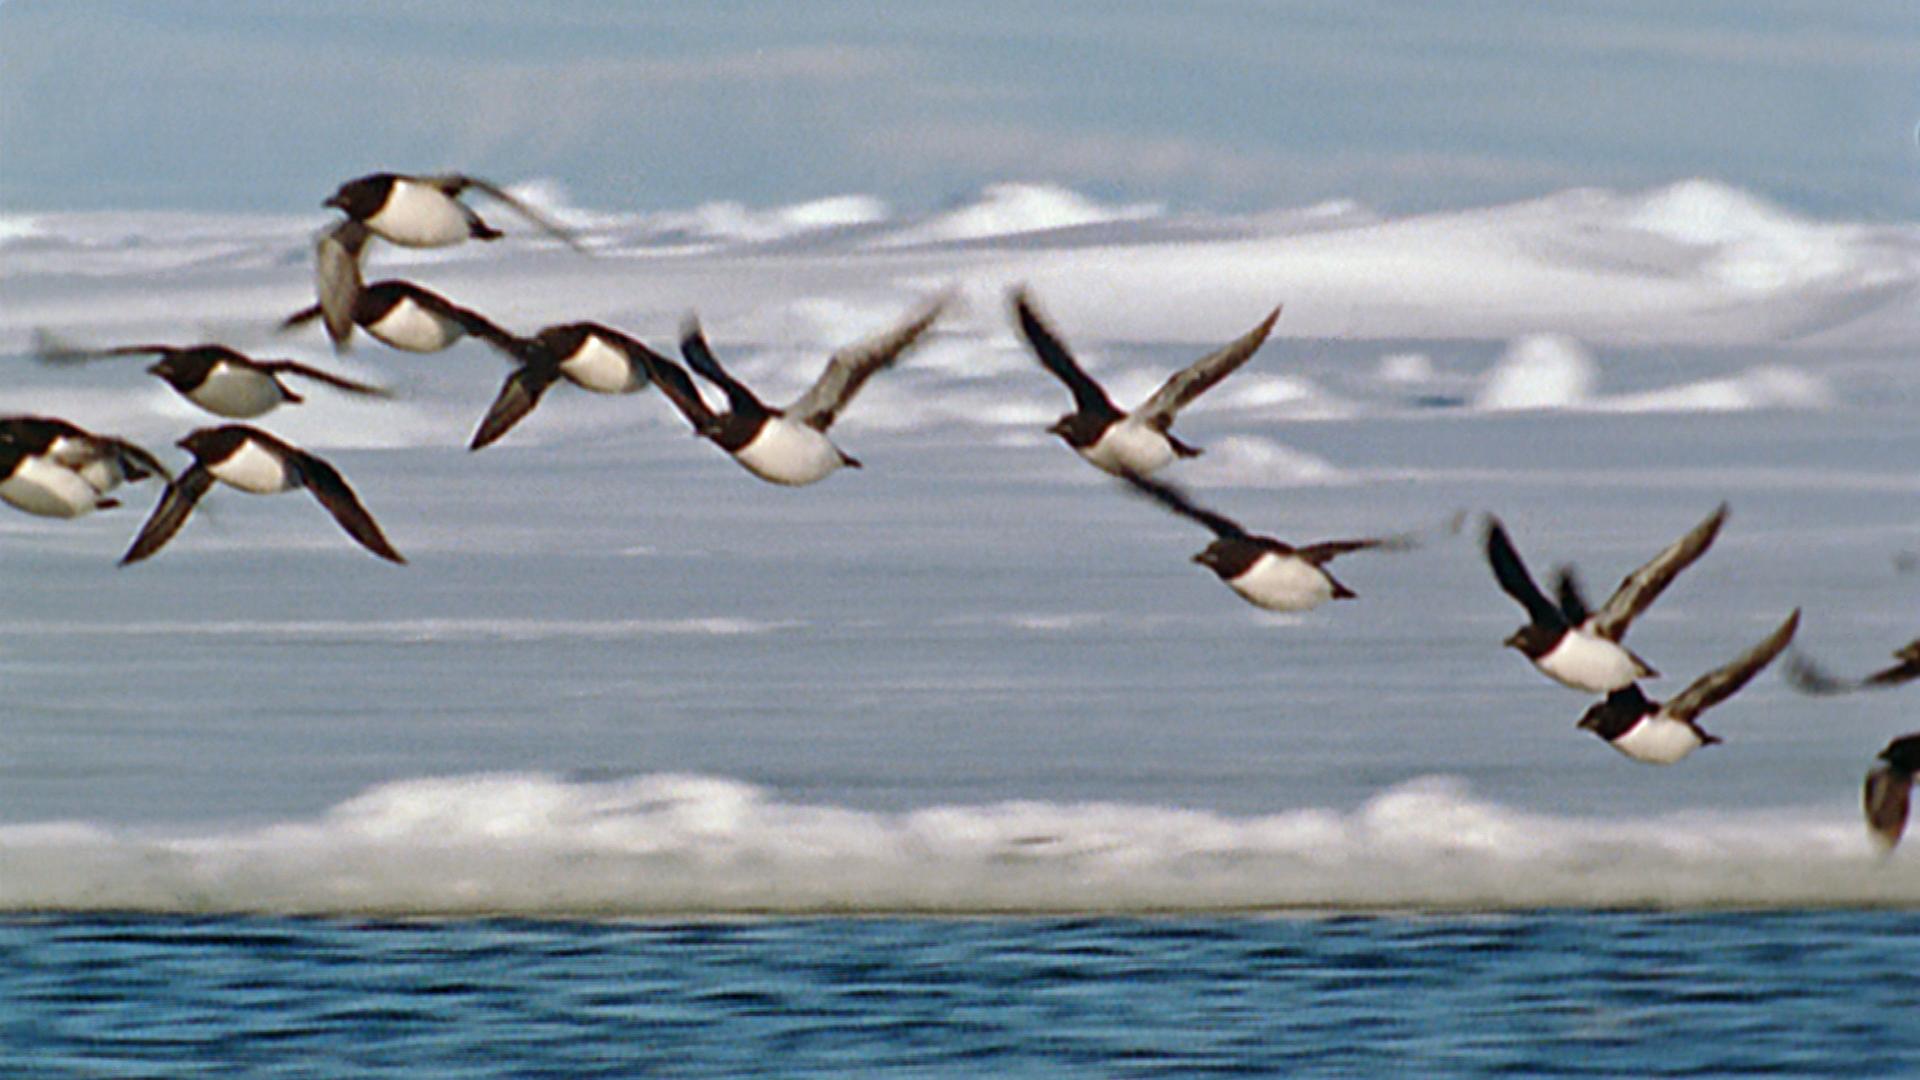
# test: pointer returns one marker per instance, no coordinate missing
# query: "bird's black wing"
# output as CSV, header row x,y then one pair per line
x,y
294,367
518,395
693,346
1573,600
1512,575
1640,588
1181,503
459,181
1088,397
336,278
850,368
182,495
331,489
1720,684
1200,376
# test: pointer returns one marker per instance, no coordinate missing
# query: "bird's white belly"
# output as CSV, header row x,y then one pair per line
x,y
599,367
237,392
413,328
1283,583
417,215
1585,662
1658,740
99,469
1130,447
788,453
254,469
42,487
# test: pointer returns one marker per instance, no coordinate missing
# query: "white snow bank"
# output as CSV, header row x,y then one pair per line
x,y
1543,371
528,844
1012,209
1753,244
736,222
1767,387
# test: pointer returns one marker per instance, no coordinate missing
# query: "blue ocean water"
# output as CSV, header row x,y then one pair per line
x,y
1540,994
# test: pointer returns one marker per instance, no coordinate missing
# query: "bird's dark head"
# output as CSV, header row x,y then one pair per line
x,y
1079,430
1533,640
1215,558
166,368
1903,754
1618,712
360,198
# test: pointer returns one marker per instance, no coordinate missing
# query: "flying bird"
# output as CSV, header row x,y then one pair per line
x,y
1808,677
221,380
426,211
1581,648
1889,785
1266,572
53,468
782,445
408,317
1647,731
253,461
1139,442
589,355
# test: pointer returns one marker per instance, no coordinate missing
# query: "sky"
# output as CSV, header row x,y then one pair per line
x,y
1228,105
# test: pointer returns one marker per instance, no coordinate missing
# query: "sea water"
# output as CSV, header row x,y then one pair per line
x,y
1542,994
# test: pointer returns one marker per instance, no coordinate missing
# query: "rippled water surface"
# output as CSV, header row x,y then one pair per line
x,y
1827,994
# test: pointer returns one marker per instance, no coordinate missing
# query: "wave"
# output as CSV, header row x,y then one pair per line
x,y
539,845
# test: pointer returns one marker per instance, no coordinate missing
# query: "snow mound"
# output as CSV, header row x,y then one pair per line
x,y
1012,209
1542,371
734,222
1767,387
1755,245
1405,368
1705,212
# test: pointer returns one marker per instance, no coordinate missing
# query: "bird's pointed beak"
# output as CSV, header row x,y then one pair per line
x,y
1513,640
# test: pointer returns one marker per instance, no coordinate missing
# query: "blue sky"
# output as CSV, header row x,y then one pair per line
x,y
218,105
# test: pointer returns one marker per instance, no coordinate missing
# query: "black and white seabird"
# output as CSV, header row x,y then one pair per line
x,y
1810,678
790,445
1139,442
410,318
1266,572
1647,731
221,380
54,468
426,211
589,355
1888,789
253,461
1583,649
